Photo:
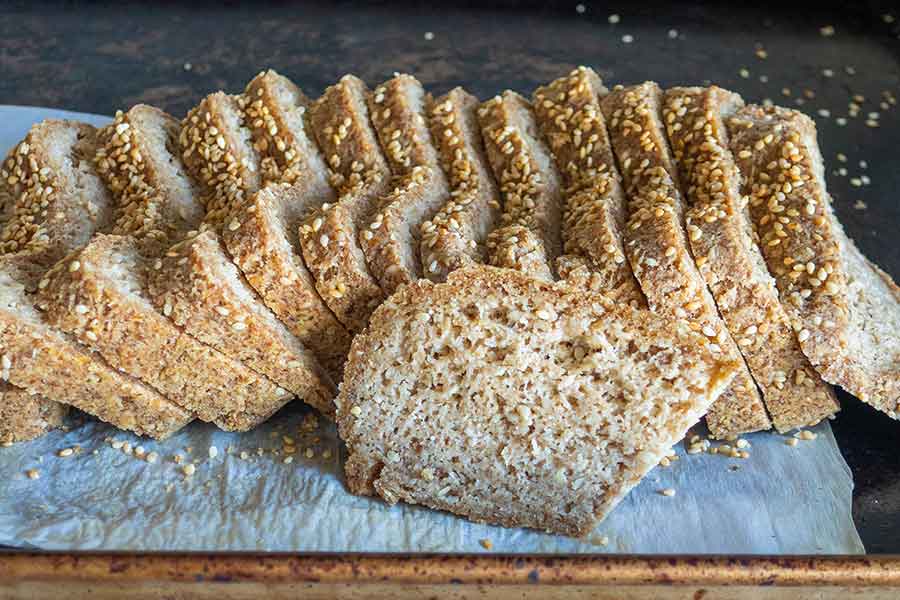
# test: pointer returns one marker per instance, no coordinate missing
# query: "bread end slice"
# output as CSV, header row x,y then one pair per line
x,y
470,396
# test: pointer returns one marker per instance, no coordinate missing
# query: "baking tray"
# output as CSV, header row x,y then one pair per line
x,y
97,58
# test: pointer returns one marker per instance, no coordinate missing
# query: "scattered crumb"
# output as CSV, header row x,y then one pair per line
x,y
178,458
326,454
600,541
139,451
762,54
152,457
828,72
826,31
791,442
860,205
244,455
486,543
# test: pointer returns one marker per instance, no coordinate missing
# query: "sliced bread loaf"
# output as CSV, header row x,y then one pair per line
x,y
658,250
398,108
518,402
155,200
43,360
104,304
529,185
721,239
845,311
360,175
200,289
456,235
568,114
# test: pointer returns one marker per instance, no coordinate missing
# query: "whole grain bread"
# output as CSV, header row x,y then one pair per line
x,y
156,202
529,185
721,238
43,360
104,304
455,236
569,116
470,396
398,108
657,246
25,416
200,289
360,175
845,311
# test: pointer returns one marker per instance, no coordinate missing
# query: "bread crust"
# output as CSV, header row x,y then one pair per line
x,y
721,238
530,187
456,235
846,314
24,417
399,109
359,174
438,432
658,250
569,116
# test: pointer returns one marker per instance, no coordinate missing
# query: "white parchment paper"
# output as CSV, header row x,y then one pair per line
x,y
782,499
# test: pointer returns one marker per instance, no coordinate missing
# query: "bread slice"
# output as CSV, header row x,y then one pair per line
x,y
569,116
43,360
455,237
104,304
360,174
721,239
156,201
219,153
52,202
658,250
529,185
51,196
262,235
398,108
203,292
845,311
518,402
24,416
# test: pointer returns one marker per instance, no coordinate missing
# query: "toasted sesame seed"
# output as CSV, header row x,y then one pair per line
x,y
355,411
188,469
213,452
668,492
486,543
33,474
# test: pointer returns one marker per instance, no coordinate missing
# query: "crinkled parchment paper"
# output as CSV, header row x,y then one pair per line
x,y
781,499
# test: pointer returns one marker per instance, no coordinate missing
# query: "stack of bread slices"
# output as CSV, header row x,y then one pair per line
x,y
524,303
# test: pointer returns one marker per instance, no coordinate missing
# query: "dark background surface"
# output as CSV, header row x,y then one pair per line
x,y
98,57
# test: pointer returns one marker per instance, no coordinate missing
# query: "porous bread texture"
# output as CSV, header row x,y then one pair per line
x,y
104,304
845,311
200,289
657,246
51,197
721,238
155,200
518,402
398,108
594,207
529,186
455,236
24,416
360,175
42,360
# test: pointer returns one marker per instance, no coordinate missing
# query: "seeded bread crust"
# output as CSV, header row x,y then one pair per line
x,y
845,313
657,246
529,184
200,289
455,237
360,174
156,201
53,200
99,296
398,109
721,237
569,116
468,396
24,416
42,360
218,152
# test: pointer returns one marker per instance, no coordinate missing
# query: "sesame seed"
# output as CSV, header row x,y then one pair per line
x,y
791,442
668,492
213,452
355,411
673,34
613,19
826,31
288,460
580,8
189,469
74,266
427,474
428,36
486,543
65,452
627,38
33,474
